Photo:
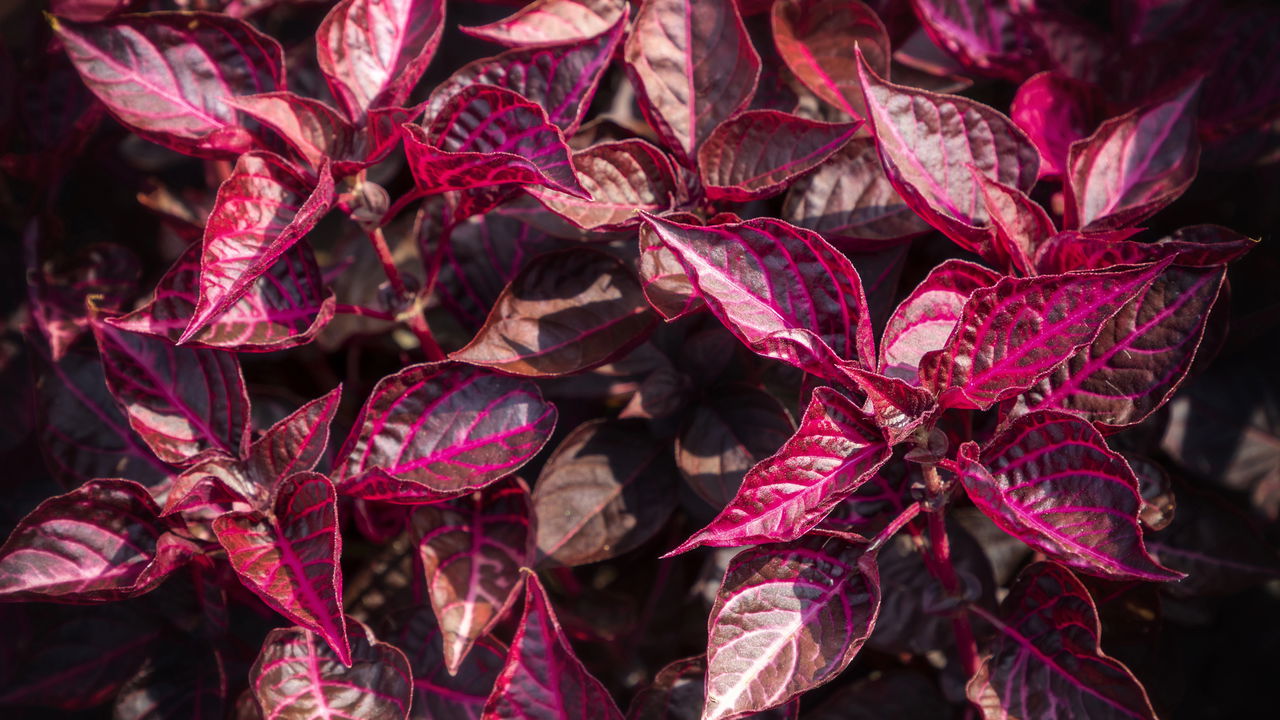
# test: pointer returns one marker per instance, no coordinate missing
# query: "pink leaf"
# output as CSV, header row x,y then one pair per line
x,y
666,286
1194,246
314,130
984,35
297,442
1055,111
817,41
620,178
1019,225
552,21
743,160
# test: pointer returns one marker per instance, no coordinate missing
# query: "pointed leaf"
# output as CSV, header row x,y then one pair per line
x,y
168,75
1195,246
296,443
1020,226
788,618
666,286
692,66
1055,111
729,433
1050,480
552,21
620,178
1047,662
314,130
438,695
289,557
817,41
742,159
984,35
679,692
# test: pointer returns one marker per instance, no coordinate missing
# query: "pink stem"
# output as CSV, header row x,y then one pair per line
x,y
940,567
894,526
363,312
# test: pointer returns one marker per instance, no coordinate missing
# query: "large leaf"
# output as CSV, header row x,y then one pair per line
x,y
927,141
297,442
782,290
742,159
99,543
620,178
730,431
606,489
437,694
1134,165
372,52
788,618
289,555
1015,332
168,75
542,677
692,66
435,431
1197,246
552,21
472,550
564,312
180,401
817,40
1047,662
835,450
1055,110
1050,480
297,675
679,692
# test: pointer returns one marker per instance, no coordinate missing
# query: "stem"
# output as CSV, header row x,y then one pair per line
x,y
416,322
379,242
894,526
363,312
941,568
401,203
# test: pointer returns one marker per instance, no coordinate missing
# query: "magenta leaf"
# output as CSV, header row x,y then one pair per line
x,y
435,431
898,406
1134,165
283,307
219,481
564,312
472,550
168,75
693,67
1194,246
836,449
261,210
1047,661
927,140
437,694
984,35
372,52
1015,332
544,22
102,542
311,128
782,290
666,286
298,675
296,443
620,178
729,433
485,135
180,401
1049,480
850,196
742,159
606,489
542,678
679,692
288,556
1020,226
817,41
788,618
1055,110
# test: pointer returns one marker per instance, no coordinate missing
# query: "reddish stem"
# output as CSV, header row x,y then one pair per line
x,y
894,526
379,242
416,322
363,312
941,568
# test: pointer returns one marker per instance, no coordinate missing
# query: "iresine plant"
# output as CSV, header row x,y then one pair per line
x,y
649,236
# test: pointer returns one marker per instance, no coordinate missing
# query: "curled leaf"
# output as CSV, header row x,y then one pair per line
x,y
742,159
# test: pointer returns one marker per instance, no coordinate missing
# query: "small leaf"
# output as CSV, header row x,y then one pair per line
x,y
730,432
986,37
1055,110
743,160
552,21
437,695
1197,246
1020,226
620,178
296,443
666,286
817,41
314,130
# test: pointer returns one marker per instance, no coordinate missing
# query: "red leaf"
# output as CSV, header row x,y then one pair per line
x,y
297,442
1055,111
1194,246
314,130
620,178
1020,226
985,36
742,159
817,41
552,21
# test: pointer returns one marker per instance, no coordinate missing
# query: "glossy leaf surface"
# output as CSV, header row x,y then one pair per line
x,y
679,692
666,286
742,159
311,128
817,40
552,21
296,443
620,178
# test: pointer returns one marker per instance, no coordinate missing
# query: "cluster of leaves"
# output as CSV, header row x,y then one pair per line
x,y
564,303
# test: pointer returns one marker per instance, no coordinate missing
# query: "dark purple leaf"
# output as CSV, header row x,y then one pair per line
x,y
666,286
606,489
297,675
902,695
177,681
817,41
742,159
58,290
1019,225
564,312
620,178
731,430
692,66
168,75
1055,111
1050,480
1198,246
87,10
552,21
438,695
296,443
984,35
679,692
314,130
436,431
788,618
1047,662
288,556
483,255
835,450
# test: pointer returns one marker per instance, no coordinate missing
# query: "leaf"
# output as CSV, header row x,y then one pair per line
x,y
607,488
289,556
101,542
1046,660
552,21
483,254
180,401
58,290
1197,246
295,443
542,677
781,290
619,178
561,78
311,128
835,450
679,692
168,75
174,682
927,141
472,550
730,431
903,695
261,210
742,159
1015,332
297,675
1049,480
564,312
788,618
1055,110
986,37
372,52
437,695
692,66
665,284
1020,226
435,431
286,306
218,480
485,135
817,41
849,196
1133,165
